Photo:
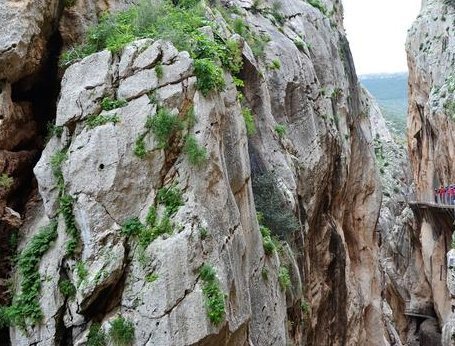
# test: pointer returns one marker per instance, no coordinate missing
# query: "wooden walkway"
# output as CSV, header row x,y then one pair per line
x,y
426,204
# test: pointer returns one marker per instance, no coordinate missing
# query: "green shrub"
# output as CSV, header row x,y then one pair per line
x,y
6,181
305,306
159,71
317,4
249,121
214,298
98,120
299,43
271,203
109,104
121,332
139,147
163,125
210,76
284,278
280,130
131,227
96,336
171,197
25,308
265,273
67,289
197,154
150,219
148,234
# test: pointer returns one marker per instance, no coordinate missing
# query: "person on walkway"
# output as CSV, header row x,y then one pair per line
x,y
436,195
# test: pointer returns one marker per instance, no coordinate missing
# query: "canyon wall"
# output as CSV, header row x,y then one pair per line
x,y
119,225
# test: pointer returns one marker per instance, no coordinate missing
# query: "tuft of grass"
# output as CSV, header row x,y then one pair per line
x,y
6,181
265,273
197,154
163,125
276,13
214,297
98,120
280,130
171,197
67,289
56,162
109,104
305,306
203,233
249,121
25,309
275,64
151,277
53,130
121,332
66,210
96,336
81,271
319,5
159,71
284,278
267,241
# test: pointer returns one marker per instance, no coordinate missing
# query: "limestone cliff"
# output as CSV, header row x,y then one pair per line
x,y
144,218
431,49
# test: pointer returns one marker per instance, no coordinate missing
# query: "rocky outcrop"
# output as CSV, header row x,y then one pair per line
x,y
430,49
145,231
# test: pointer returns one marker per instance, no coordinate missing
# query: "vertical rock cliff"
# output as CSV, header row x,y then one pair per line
x,y
431,49
175,209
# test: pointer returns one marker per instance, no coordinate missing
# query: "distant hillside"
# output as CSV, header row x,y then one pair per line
x,y
390,90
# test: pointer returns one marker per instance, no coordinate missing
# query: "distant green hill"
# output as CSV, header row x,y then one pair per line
x,y
391,92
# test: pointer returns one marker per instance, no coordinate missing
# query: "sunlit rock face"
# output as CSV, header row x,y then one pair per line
x,y
431,124
313,140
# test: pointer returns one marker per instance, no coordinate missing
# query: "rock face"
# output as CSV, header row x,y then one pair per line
x,y
431,50
145,233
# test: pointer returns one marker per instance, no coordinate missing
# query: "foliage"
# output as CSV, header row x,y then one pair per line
x,y
148,234
109,104
265,273
284,278
56,162
210,76
249,121
139,147
159,71
96,336
151,217
267,241
270,202
275,64
121,332
203,233
277,14
53,130
67,289
81,271
214,297
151,277
305,306
171,197
66,209
69,3
6,181
25,308
131,227
280,130
163,125
98,120
319,5
197,154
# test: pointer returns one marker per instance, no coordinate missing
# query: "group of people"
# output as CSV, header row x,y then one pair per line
x,y
445,195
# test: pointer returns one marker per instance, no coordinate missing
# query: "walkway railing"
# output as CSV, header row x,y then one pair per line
x,y
431,199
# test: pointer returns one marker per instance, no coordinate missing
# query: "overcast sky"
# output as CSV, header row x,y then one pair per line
x,y
377,31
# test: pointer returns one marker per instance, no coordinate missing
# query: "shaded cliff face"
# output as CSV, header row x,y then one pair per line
x,y
147,231
430,48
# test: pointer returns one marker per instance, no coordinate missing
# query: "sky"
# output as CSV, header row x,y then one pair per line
x,y
377,30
